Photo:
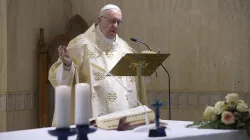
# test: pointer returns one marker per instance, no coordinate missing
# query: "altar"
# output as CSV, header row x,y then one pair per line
x,y
176,131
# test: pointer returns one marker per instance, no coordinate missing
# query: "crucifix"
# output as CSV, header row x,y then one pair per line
x,y
159,131
157,106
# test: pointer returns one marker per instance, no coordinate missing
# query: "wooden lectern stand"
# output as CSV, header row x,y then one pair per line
x,y
138,65
141,65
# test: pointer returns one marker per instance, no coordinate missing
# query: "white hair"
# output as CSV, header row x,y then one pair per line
x,y
108,7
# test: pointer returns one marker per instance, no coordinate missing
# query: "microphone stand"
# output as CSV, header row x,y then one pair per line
x,y
169,95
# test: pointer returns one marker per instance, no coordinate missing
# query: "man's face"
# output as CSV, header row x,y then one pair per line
x,y
109,22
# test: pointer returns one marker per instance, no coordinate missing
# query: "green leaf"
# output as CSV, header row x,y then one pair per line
x,y
209,125
196,123
247,125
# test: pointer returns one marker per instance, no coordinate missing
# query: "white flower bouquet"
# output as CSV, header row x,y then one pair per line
x,y
230,114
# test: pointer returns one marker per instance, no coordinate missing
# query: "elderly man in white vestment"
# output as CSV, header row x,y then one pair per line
x,y
89,57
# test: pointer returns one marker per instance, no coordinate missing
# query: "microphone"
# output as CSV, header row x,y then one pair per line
x,y
169,99
136,40
133,39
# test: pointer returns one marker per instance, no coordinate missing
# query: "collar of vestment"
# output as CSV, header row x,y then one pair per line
x,y
93,37
102,44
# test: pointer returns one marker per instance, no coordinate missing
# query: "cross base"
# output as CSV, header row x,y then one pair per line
x,y
159,132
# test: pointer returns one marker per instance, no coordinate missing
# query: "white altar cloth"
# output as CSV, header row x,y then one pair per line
x,y
176,131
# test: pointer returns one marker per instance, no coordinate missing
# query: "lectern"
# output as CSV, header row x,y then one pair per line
x,y
141,65
138,65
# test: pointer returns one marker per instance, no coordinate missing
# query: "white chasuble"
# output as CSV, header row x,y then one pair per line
x,y
93,59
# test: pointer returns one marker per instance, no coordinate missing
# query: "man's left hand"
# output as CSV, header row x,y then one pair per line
x,y
159,51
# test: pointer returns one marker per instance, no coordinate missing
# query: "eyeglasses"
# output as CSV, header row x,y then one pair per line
x,y
113,21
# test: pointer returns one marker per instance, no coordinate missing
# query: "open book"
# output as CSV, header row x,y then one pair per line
x,y
134,116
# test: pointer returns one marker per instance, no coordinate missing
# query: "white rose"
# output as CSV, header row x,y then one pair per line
x,y
227,118
232,98
213,118
219,107
241,101
208,113
242,107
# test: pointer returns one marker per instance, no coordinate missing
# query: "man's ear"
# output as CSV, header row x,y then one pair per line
x,y
99,19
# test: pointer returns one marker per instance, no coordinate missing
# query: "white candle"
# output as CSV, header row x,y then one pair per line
x,y
82,103
62,106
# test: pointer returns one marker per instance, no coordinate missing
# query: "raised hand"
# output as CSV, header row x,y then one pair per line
x,y
64,55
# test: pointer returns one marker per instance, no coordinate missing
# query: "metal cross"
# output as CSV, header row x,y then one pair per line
x,y
157,106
